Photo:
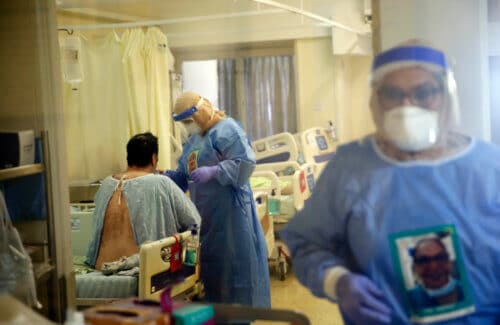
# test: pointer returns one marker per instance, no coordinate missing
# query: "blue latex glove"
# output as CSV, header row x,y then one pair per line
x,y
203,174
179,178
361,301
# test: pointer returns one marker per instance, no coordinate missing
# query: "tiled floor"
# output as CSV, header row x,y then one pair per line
x,y
290,294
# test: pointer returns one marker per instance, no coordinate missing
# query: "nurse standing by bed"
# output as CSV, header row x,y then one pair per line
x,y
215,165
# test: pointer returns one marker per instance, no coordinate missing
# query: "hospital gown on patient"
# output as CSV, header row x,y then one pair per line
x,y
157,209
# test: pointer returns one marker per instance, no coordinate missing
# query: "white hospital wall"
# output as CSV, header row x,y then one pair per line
x,y
201,77
263,28
459,27
353,94
332,88
315,82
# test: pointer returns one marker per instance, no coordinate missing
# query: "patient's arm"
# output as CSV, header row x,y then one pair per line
x,y
185,211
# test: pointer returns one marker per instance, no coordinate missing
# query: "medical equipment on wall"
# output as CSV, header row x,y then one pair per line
x,y
71,58
332,131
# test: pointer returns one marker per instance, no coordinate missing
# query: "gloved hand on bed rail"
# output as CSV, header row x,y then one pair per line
x,y
361,301
203,174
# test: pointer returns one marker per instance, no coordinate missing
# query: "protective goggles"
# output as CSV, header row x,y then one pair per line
x,y
187,113
423,95
424,260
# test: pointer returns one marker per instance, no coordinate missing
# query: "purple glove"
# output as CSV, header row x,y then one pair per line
x,y
361,301
179,178
203,174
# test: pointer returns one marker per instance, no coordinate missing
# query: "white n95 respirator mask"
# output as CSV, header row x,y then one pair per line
x,y
411,128
192,128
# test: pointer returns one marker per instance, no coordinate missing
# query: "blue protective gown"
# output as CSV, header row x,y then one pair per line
x,y
362,197
157,209
233,252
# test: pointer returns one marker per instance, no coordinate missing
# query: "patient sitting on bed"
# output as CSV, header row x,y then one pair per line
x,y
137,206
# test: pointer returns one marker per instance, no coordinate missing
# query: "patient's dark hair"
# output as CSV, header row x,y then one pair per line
x,y
140,149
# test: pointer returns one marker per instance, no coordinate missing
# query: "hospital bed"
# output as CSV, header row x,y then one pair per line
x,y
291,185
280,147
317,147
266,220
314,146
278,155
92,287
274,249
298,180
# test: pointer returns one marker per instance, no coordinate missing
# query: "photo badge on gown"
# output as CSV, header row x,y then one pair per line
x,y
192,161
432,275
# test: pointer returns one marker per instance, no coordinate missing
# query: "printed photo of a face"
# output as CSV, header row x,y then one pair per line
x,y
192,161
433,278
436,278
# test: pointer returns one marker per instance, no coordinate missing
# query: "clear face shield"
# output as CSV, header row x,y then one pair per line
x,y
186,119
414,98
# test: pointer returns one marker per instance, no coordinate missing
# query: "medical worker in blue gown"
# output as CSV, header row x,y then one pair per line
x,y
215,165
415,175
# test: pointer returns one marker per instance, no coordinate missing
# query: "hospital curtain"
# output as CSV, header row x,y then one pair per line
x,y
226,75
96,123
125,91
269,95
135,80
158,61
146,69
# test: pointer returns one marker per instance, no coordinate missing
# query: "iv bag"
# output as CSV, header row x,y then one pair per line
x,y
72,64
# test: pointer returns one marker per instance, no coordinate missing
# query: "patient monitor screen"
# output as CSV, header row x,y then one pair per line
x,y
321,141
